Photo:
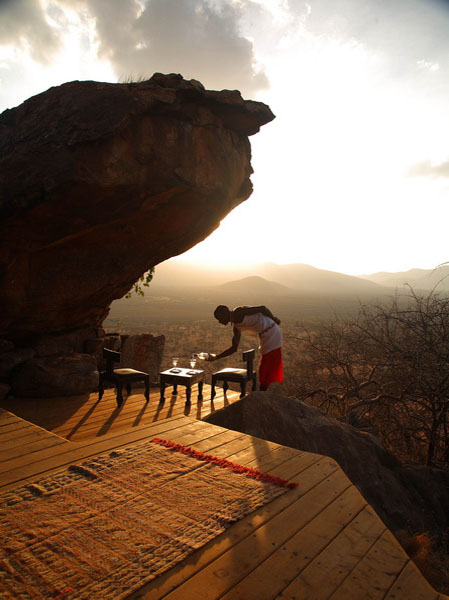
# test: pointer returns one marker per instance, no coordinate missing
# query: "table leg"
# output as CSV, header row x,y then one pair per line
x,y
200,390
188,394
119,395
147,389
175,389
162,392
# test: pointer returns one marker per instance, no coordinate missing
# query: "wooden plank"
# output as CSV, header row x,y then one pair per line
x,y
224,436
6,418
16,427
120,418
227,570
255,450
47,460
32,436
299,550
329,568
25,451
411,584
78,418
197,561
276,457
135,402
307,459
376,572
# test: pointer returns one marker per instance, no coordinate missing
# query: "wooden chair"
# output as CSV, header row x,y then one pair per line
x,y
241,376
120,377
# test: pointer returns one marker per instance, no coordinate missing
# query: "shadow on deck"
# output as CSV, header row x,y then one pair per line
x,y
320,540
79,418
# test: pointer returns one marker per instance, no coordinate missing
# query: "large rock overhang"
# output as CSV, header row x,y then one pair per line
x,y
100,181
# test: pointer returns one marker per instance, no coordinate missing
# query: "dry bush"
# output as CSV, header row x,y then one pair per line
x,y
433,564
387,369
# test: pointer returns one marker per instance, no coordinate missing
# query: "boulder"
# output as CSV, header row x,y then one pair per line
x,y
143,352
10,360
101,181
52,376
406,497
113,341
63,343
4,390
5,346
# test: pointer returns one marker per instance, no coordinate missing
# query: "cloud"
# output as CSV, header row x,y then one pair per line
x,y
405,34
23,24
198,38
426,169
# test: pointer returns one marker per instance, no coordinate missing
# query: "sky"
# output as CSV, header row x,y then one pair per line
x,y
351,176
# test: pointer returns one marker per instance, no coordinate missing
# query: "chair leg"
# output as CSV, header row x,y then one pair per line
x,y
212,391
242,389
119,396
225,387
147,388
128,389
200,390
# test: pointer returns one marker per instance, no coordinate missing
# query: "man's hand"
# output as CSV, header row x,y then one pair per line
x,y
276,320
211,357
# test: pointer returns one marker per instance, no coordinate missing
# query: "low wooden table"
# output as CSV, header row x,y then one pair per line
x,y
178,376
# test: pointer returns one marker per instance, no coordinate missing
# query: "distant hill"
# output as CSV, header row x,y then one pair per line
x,y
418,279
295,278
182,291
256,285
310,280
177,273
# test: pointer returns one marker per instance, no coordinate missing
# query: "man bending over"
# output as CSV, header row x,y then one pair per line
x,y
257,321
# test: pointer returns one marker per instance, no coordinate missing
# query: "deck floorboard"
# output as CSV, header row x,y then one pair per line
x,y
319,540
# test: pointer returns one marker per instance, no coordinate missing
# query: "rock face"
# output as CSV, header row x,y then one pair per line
x,y
53,376
99,182
143,352
406,497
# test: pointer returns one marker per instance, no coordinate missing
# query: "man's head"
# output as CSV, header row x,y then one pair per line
x,y
222,314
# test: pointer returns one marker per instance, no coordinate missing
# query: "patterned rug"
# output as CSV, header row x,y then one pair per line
x,y
105,527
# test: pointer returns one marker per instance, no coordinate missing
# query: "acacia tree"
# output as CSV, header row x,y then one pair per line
x,y
390,366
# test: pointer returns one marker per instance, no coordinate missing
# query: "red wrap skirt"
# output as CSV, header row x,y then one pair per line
x,y
270,367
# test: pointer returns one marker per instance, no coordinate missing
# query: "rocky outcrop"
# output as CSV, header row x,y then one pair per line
x,y
11,359
99,182
406,497
66,343
143,352
68,364
53,376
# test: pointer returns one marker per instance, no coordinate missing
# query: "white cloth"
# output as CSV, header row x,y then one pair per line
x,y
261,326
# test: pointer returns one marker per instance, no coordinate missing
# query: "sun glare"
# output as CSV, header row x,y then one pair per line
x,y
333,178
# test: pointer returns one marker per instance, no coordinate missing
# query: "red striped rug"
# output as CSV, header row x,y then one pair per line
x,y
104,528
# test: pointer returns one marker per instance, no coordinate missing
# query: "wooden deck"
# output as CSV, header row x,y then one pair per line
x,y
320,540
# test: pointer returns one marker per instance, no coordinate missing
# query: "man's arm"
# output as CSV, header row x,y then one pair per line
x,y
236,335
243,311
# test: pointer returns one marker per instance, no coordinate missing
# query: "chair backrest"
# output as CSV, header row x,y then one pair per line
x,y
248,357
111,357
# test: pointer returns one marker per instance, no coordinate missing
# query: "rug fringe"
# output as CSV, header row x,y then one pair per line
x,y
223,462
